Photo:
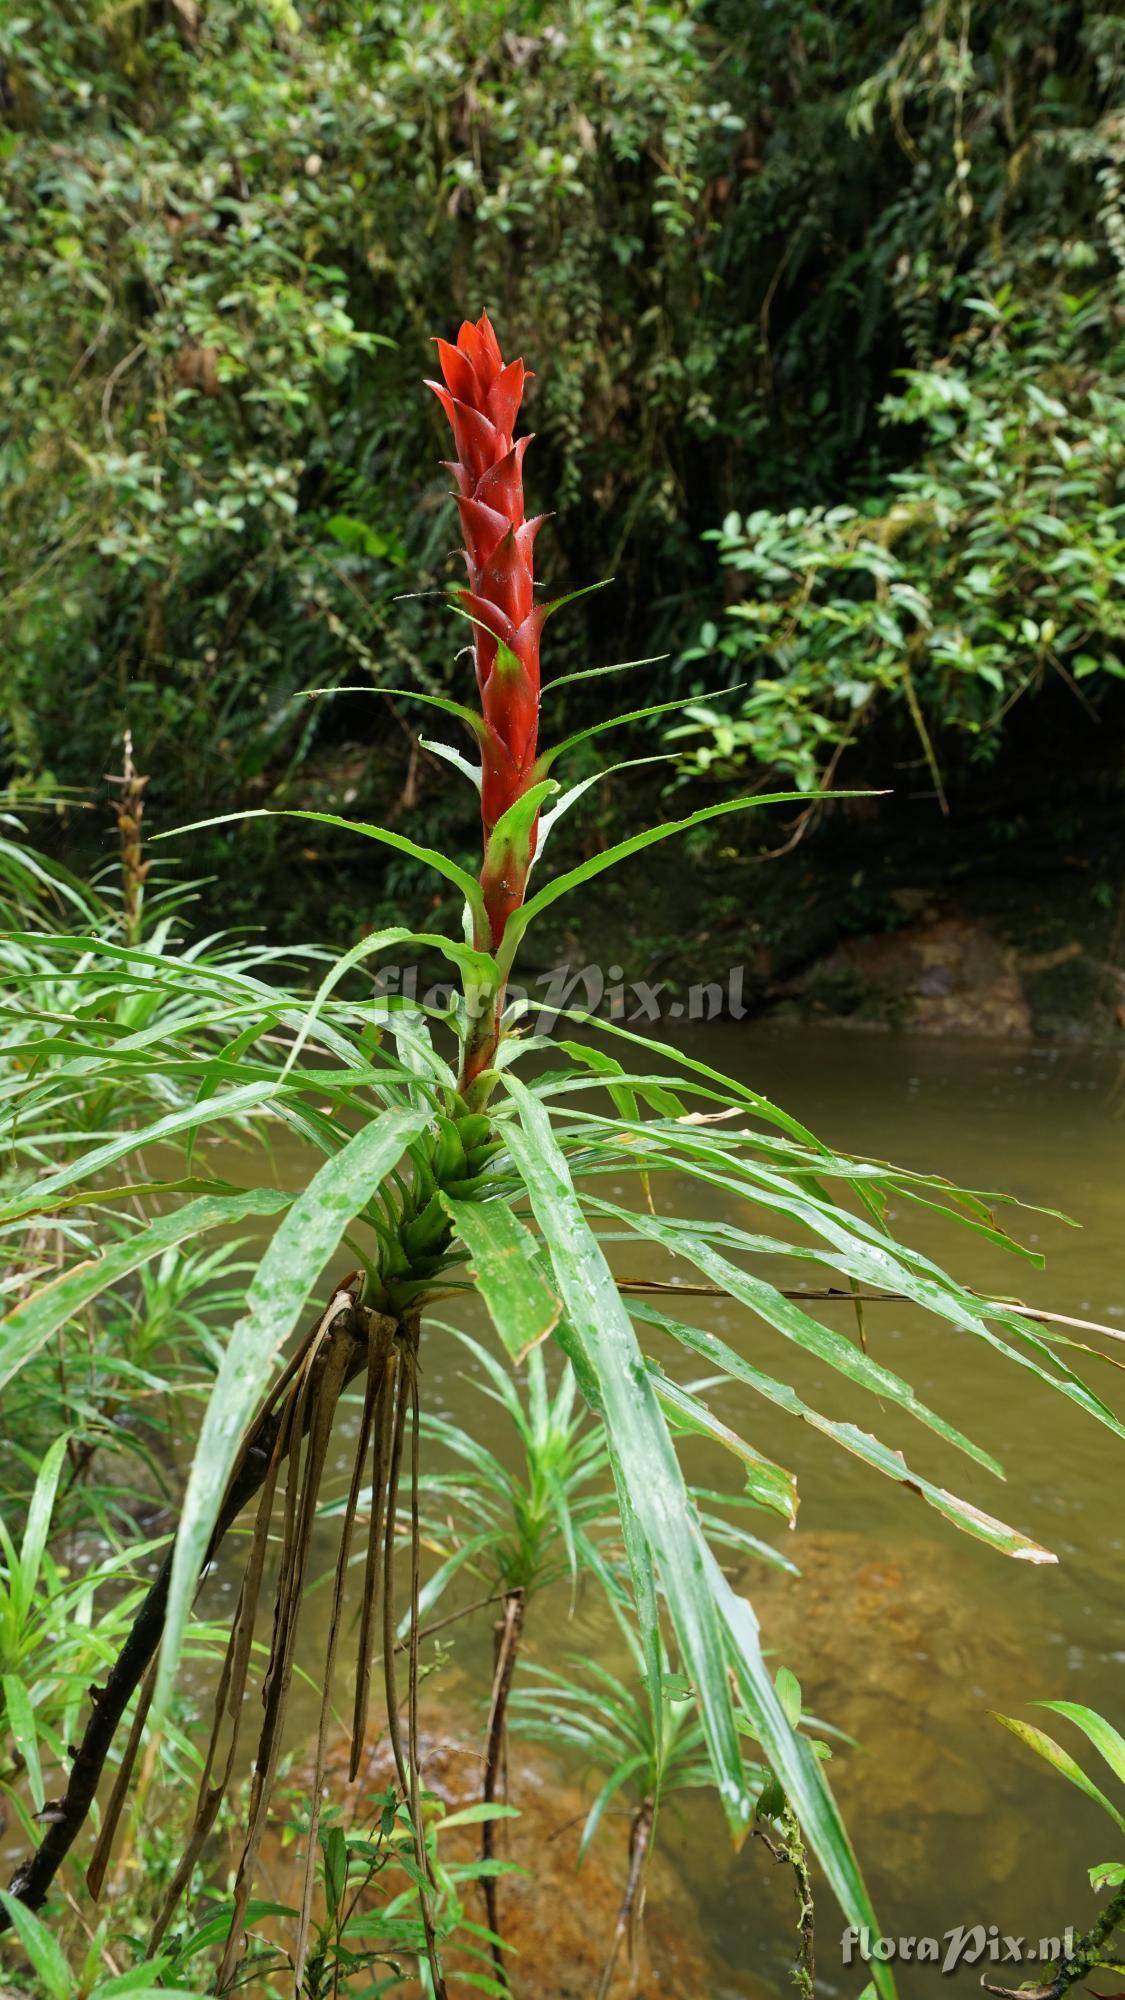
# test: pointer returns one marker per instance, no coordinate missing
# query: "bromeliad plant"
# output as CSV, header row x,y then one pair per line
x,y
453,1149
647,1753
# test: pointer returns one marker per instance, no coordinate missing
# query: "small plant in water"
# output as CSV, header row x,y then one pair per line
x,y
648,1740
518,1534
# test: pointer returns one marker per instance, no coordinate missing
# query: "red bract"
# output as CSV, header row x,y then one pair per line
x,y
481,396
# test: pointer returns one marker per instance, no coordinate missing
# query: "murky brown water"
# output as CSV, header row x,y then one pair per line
x,y
903,1631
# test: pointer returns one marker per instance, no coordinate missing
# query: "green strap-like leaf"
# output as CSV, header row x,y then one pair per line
x,y
292,1264
429,856
570,798
794,1763
598,863
789,1694
1007,1541
729,1089
39,1513
478,969
1060,1760
628,1768
791,1319
596,673
714,1629
609,722
21,1728
609,1356
505,1257
45,1954
865,1254
29,1325
473,1815
508,854
770,1484
473,722
459,763
1104,1737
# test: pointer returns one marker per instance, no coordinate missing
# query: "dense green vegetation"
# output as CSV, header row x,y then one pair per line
x,y
827,318
842,291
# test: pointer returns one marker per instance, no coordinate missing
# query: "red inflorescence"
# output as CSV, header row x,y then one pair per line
x,y
481,396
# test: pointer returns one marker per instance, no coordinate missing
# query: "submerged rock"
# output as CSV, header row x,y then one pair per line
x,y
894,1650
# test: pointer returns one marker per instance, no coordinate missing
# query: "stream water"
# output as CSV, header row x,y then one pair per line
x,y
902,1631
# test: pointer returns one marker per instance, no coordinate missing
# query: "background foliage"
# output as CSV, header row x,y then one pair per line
x,y
723,232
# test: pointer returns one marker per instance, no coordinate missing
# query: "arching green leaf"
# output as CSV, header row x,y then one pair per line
x,y
429,856
598,863
292,1264
505,1264
715,1629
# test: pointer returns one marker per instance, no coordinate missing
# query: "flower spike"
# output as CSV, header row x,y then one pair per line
x,y
481,395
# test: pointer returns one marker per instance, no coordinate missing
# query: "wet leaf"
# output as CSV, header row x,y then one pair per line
x,y
505,1265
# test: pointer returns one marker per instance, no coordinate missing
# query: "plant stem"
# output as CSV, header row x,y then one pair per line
x,y
632,1902
804,1973
129,811
790,1851
1087,1956
508,1632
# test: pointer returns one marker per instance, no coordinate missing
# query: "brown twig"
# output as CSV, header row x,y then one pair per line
x,y
451,1618
838,1294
